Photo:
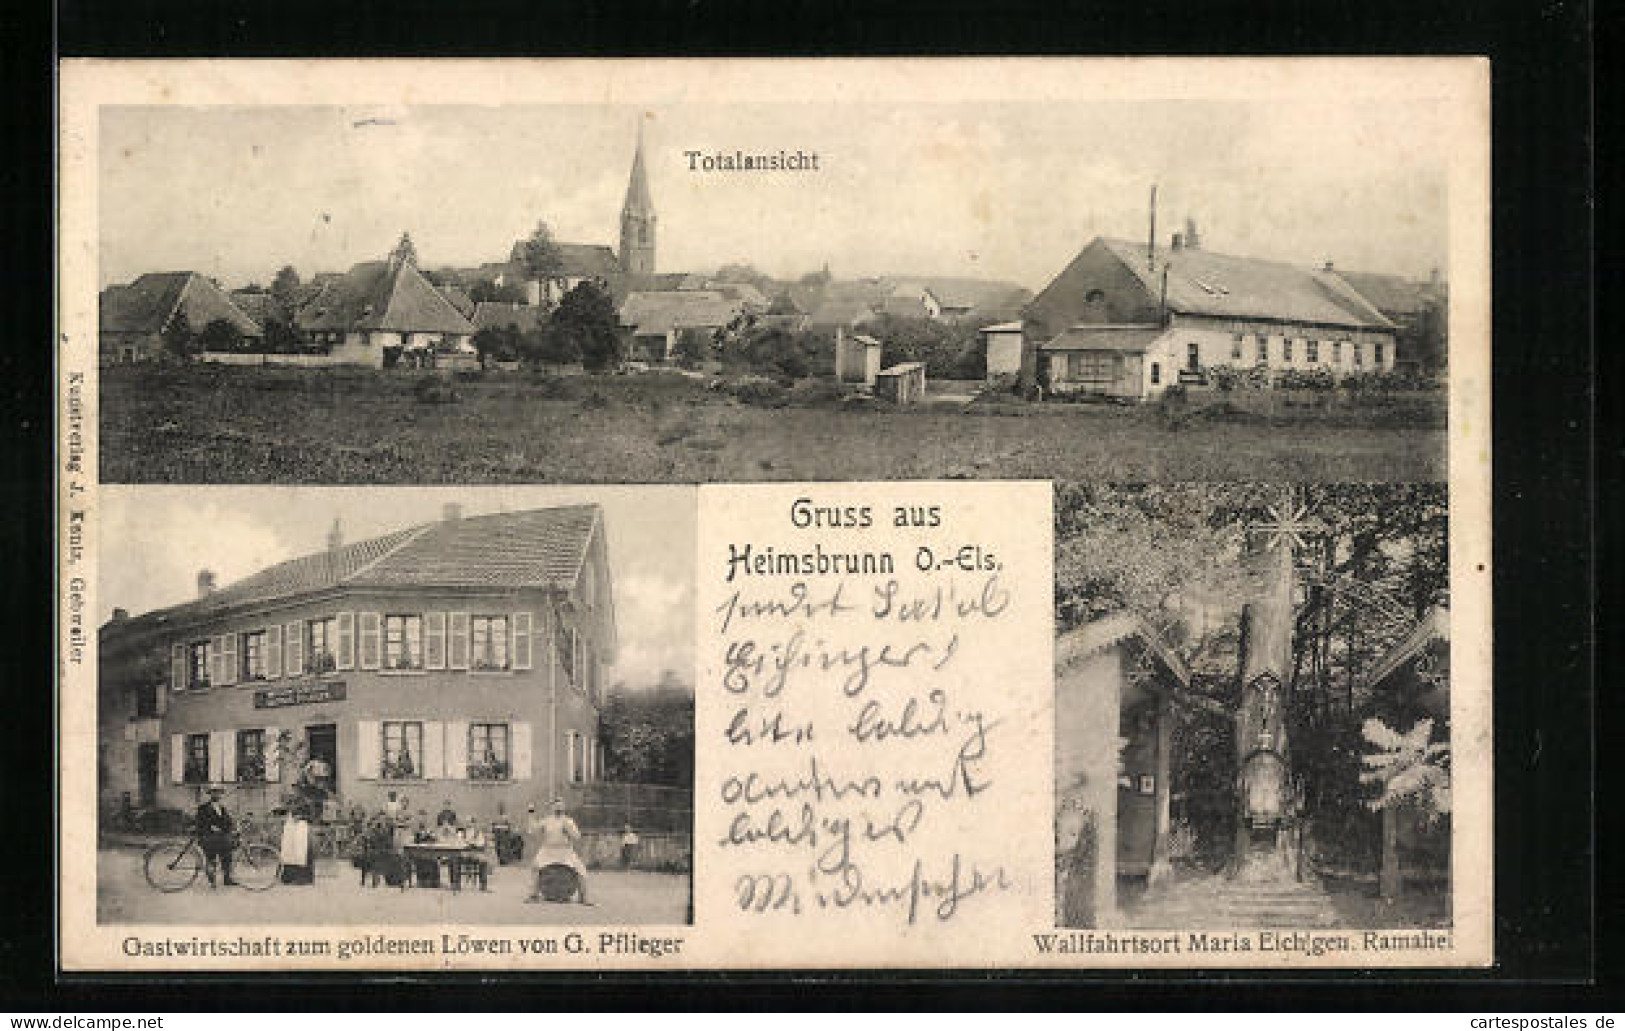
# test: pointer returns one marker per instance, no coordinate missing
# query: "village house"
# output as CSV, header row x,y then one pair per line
x,y
133,317
655,322
456,660
1418,308
384,311
1129,320
1115,686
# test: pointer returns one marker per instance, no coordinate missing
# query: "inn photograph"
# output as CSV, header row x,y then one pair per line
x,y
1133,290
341,706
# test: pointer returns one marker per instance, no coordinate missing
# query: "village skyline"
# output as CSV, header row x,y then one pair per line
x,y
1000,192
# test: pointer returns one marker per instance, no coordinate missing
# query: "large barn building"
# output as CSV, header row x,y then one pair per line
x,y
1128,321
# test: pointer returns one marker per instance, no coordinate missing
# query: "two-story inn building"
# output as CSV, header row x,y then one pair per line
x,y
1129,320
457,660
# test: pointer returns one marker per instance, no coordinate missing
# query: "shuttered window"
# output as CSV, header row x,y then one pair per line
x,y
488,751
196,769
199,665
402,757
488,643
403,642
251,756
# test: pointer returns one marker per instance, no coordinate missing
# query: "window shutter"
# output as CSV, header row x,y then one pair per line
x,y
220,742
294,643
521,640
177,758
273,760
457,641
345,647
369,744
217,654
228,659
519,751
434,640
177,668
273,652
369,645
434,750
456,754
228,756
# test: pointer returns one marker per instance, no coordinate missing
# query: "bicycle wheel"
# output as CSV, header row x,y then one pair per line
x,y
172,866
255,866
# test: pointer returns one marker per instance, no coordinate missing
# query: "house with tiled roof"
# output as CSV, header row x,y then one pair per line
x,y
132,317
461,659
656,320
1418,307
526,318
1129,320
383,311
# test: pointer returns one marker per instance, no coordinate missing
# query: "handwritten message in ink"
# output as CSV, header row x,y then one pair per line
x,y
869,668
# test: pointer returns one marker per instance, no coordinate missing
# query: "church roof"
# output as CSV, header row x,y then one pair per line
x,y
638,201
382,295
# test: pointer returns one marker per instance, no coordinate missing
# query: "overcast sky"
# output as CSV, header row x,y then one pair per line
x,y
155,539
1006,191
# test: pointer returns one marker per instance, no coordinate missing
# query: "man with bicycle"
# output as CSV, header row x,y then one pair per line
x,y
215,828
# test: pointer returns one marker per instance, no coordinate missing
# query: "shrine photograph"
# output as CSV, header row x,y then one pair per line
x,y
365,706
1253,708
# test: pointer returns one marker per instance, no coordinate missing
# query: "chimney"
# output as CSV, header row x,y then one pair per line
x,y
335,536
205,582
1192,241
120,615
1328,266
451,512
1179,242
1434,278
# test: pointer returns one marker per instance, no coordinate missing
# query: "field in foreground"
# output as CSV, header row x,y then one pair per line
x,y
254,425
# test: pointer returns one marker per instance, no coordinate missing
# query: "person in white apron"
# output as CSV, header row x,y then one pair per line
x,y
556,838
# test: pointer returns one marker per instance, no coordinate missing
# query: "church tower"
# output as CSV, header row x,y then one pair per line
x,y
638,219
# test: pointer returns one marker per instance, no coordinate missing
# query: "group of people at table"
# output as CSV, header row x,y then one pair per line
x,y
390,837
465,848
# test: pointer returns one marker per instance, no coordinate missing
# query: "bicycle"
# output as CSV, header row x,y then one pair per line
x,y
172,866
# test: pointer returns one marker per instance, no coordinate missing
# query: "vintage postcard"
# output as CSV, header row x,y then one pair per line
x,y
677,514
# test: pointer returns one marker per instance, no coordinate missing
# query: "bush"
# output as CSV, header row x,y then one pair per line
x,y
432,390
1304,379
762,393
816,392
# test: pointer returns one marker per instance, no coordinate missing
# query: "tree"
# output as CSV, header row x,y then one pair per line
x,y
282,338
1410,769
485,290
285,282
587,317
177,335
648,735
540,256
220,335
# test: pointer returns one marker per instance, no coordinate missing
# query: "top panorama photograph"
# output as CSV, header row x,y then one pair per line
x,y
1135,291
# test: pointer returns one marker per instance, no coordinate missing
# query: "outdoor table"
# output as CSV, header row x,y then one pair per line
x,y
451,856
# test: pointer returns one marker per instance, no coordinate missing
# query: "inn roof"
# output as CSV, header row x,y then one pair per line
x,y
541,548
147,304
1394,295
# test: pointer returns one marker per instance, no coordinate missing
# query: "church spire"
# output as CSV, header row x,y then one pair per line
x,y
638,218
